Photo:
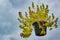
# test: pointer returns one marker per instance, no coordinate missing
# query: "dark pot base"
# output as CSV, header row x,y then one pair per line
x,y
38,30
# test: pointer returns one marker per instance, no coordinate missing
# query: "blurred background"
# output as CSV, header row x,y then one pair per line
x,y
9,25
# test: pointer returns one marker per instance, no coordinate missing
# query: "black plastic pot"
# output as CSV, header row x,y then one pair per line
x,y
38,30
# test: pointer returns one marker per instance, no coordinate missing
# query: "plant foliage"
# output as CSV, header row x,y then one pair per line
x,y
41,14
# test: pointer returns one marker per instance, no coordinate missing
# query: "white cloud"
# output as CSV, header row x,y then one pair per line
x,y
14,36
2,1
11,16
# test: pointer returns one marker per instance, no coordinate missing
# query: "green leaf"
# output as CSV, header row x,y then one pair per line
x,y
49,24
27,32
19,20
43,32
49,17
56,20
37,8
50,28
53,16
56,26
21,27
42,5
32,5
29,8
46,6
26,14
20,15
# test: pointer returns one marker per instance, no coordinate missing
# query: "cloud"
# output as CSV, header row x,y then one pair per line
x,y
1,2
8,22
9,29
8,18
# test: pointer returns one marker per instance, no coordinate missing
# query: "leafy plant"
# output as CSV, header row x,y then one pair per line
x,y
41,14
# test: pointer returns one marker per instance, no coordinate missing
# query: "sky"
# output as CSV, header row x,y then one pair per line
x,y
9,25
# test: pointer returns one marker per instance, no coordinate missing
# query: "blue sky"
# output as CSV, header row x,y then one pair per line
x,y
9,9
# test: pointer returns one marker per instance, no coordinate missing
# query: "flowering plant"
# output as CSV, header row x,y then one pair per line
x,y
39,16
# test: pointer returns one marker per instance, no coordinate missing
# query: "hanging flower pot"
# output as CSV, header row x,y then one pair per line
x,y
38,30
39,20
